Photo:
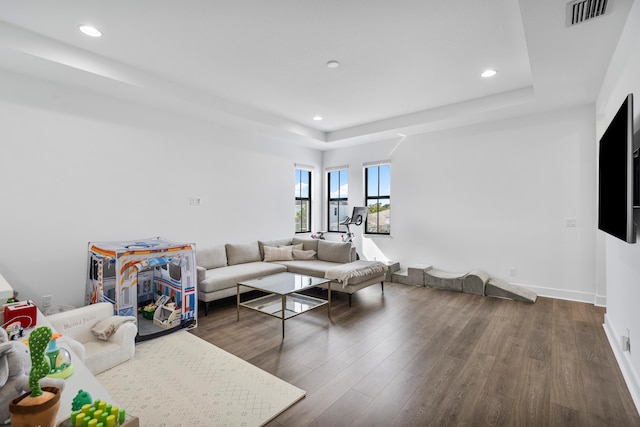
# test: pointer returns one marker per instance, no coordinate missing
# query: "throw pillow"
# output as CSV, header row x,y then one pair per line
x,y
309,244
303,255
240,253
106,327
297,247
283,253
212,257
274,243
334,251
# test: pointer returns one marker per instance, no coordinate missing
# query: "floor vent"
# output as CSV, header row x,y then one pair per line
x,y
579,11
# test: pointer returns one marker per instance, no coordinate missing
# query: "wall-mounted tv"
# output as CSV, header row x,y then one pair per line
x,y
618,176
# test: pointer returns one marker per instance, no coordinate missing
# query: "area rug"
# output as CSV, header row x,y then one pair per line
x,y
181,380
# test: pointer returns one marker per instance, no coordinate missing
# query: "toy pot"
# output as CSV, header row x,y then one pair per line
x,y
27,411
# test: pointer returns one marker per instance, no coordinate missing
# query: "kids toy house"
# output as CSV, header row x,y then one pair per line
x,y
136,273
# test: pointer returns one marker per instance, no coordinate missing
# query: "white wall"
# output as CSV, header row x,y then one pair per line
x,y
493,196
76,168
86,168
621,261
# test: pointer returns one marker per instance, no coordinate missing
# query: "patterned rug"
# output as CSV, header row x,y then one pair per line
x,y
180,380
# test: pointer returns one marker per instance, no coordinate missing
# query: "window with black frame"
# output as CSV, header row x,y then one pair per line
x,y
378,198
303,200
338,199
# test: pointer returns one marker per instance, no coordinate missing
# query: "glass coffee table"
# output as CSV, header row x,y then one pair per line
x,y
283,300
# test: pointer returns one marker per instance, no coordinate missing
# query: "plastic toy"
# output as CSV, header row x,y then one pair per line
x,y
81,399
131,273
15,379
59,359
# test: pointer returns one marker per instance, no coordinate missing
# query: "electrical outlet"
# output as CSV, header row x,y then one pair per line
x,y
513,272
625,344
46,300
628,340
625,341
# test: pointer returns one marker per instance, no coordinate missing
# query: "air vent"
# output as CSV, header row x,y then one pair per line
x,y
579,11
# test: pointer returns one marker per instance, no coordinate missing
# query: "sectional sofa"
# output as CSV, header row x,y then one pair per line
x,y
221,267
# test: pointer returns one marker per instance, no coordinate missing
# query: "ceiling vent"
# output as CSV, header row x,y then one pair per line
x,y
579,11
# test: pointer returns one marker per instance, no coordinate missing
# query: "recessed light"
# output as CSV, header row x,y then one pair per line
x,y
333,64
489,73
90,31
317,118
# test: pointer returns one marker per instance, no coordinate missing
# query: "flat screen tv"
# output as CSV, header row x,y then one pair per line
x,y
617,176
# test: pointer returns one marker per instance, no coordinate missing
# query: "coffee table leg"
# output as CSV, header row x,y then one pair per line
x,y
238,302
284,305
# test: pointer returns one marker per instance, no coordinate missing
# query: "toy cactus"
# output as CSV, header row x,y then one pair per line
x,y
39,407
40,366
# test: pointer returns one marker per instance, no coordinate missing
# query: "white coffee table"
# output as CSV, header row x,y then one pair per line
x,y
283,300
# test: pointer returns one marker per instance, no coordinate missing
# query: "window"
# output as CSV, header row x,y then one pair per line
x,y
303,201
378,197
338,184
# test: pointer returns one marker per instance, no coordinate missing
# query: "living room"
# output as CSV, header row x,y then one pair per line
x,y
98,160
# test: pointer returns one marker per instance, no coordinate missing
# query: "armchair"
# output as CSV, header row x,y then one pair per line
x,y
99,338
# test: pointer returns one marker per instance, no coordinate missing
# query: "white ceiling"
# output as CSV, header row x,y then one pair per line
x,y
407,66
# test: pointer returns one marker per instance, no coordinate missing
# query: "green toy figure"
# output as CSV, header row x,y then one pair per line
x,y
81,399
40,366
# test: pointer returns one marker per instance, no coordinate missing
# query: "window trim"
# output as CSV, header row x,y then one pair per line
x,y
298,197
336,199
366,167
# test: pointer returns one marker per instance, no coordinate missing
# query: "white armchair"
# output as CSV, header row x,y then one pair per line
x,y
100,339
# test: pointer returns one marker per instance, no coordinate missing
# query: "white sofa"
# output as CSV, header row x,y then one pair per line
x,y
84,330
221,267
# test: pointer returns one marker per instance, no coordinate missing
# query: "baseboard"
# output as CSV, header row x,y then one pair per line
x,y
624,362
587,297
600,301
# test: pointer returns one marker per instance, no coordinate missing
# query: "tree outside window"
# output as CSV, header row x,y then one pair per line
x,y
303,201
378,197
338,199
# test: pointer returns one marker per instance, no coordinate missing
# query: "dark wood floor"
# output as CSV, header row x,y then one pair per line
x,y
421,356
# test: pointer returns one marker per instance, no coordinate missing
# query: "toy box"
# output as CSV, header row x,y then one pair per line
x,y
24,312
